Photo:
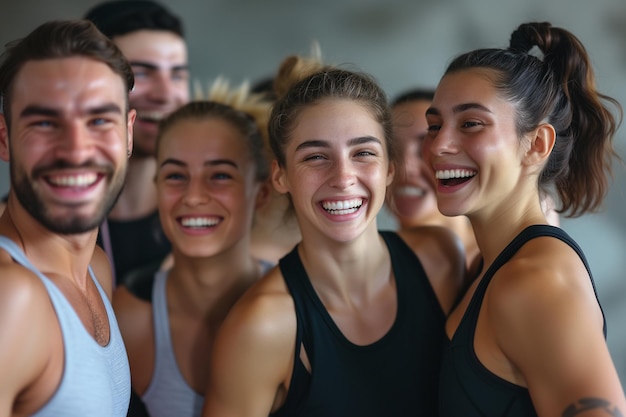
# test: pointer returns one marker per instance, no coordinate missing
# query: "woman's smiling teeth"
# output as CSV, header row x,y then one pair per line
x,y
410,191
449,174
199,222
82,180
342,206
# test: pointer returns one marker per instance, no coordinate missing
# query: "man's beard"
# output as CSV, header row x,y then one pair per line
x,y
65,225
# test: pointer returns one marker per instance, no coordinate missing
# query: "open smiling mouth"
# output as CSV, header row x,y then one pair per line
x,y
73,181
199,222
342,207
410,191
451,177
150,116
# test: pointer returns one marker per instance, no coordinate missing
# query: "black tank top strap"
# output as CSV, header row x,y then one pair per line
x,y
303,293
294,276
531,232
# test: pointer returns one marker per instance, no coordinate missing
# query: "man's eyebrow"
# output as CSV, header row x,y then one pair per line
x,y
36,110
105,108
153,67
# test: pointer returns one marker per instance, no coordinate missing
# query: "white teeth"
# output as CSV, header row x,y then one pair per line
x,y
151,115
343,206
199,222
410,191
83,180
454,173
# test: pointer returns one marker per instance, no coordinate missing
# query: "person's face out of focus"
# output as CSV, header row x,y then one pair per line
x,y
159,62
412,197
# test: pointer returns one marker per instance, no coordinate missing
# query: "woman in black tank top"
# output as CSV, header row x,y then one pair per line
x,y
504,125
351,323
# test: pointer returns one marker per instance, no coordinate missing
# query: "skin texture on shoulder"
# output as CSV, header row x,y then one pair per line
x,y
544,316
32,361
254,352
135,319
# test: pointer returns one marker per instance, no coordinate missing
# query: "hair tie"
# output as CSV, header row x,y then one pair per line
x,y
520,42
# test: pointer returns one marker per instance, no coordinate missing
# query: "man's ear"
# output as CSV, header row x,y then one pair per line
x,y
541,143
4,139
132,114
279,178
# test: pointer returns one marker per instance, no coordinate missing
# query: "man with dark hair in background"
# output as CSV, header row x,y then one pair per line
x,y
152,39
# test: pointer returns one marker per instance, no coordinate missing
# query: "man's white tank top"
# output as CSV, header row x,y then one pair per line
x,y
96,379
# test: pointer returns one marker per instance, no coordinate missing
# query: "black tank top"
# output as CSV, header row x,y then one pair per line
x,y
136,244
394,376
469,389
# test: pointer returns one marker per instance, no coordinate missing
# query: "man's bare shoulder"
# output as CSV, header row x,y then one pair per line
x,y
18,281
30,337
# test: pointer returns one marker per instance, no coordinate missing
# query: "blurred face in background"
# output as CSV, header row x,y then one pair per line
x,y
412,198
159,62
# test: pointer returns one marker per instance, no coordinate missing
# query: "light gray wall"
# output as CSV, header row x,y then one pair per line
x,y
403,43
